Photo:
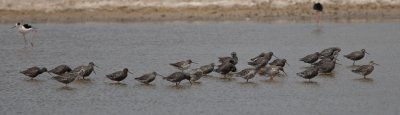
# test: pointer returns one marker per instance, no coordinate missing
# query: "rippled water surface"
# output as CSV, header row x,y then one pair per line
x,y
146,47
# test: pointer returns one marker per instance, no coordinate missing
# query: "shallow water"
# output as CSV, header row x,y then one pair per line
x,y
146,47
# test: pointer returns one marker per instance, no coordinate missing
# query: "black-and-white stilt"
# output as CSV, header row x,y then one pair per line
x,y
25,29
319,9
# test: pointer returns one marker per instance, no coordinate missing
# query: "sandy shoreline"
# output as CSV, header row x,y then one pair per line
x,y
261,12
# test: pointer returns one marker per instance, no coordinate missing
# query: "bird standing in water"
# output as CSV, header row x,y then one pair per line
x,y
309,73
319,9
356,55
61,69
182,65
365,69
66,78
177,77
87,70
148,77
119,75
25,29
33,72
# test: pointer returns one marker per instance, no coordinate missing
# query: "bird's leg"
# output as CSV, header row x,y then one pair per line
x,y
354,62
318,17
365,77
176,84
23,35
309,80
271,78
247,80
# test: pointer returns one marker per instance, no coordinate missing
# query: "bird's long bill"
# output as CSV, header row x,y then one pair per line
x,y
338,63
94,72
284,72
50,74
13,27
376,64
287,63
274,56
367,53
195,62
130,72
96,66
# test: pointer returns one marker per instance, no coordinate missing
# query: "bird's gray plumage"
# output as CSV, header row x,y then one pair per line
x,y
365,70
207,68
309,73
263,56
261,62
61,69
196,74
226,68
119,75
247,73
33,72
147,78
86,69
329,51
311,58
66,78
182,65
279,62
233,59
177,77
356,55
274,71
327,66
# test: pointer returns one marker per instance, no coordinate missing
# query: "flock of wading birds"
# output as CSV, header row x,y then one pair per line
x,y
323,62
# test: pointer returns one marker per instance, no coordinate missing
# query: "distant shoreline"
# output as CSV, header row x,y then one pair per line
x,y
204,13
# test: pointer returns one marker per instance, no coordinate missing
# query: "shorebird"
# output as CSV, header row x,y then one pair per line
x,y
356,55
327,66
177,77
248,73
87,70
261,62
34,71
264,55
206,69
330,52
311,58
319,9
196,75
119,75
25,29
225,69
148,77
365,70
234,59
279,62
274,71
182,65
309,73
61,69
66,78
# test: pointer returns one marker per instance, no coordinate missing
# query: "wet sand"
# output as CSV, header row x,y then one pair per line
x,y
259,12
145,47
